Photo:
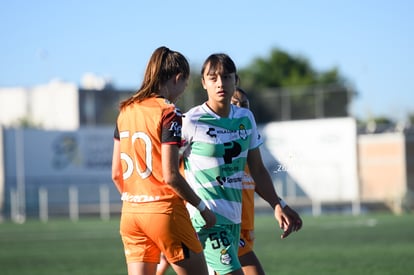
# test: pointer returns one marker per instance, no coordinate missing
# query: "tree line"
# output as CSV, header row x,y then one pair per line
x,y
285,87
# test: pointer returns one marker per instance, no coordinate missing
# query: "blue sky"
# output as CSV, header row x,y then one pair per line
x,y
370,42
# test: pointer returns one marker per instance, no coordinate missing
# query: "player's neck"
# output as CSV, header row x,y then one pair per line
x,y
219,108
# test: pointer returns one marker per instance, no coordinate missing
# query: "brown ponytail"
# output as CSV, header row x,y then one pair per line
x,y
162,65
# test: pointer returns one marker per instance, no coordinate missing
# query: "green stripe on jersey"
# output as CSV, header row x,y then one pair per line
x,y
210,175
220,192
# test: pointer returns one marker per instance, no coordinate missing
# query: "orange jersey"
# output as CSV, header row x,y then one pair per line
x,y
248,201
142,128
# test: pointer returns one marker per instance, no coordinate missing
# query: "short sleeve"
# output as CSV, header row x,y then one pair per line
x,y
171,126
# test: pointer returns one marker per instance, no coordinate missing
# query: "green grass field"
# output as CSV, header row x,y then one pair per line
x,y
330,244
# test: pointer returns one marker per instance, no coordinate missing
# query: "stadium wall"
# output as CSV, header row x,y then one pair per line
x,y
314,159
386,169
57,161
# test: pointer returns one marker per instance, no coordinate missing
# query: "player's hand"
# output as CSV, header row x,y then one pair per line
x,y
284,220
297,221
209,217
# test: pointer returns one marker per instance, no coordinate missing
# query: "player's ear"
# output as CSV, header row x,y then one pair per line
x,y
203,83
178,77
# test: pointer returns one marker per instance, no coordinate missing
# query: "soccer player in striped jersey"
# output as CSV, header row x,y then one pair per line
x,y
220,138
146,172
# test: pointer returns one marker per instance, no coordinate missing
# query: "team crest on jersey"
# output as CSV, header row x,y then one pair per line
x,y
175,128
242,132
225,257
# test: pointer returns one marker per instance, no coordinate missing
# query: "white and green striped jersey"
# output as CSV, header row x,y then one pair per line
x,y
215,158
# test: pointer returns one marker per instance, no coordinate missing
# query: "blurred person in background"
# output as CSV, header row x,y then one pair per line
x,y
145,170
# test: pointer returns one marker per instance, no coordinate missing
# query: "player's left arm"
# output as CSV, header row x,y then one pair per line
x,y
296,219
265,188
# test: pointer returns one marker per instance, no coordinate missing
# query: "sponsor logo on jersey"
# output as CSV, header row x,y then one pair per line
x,y
223,180
231,149
138,198
242,132
211,132
175,128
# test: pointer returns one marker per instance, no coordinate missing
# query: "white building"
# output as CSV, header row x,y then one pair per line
x,y
60,105
50,106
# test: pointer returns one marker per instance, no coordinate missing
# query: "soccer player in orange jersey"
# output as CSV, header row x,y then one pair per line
x,y
145,170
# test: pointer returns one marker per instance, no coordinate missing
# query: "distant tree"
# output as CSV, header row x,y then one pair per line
x,y
279,70
26,122
376,124
383,120
284,87
411,118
